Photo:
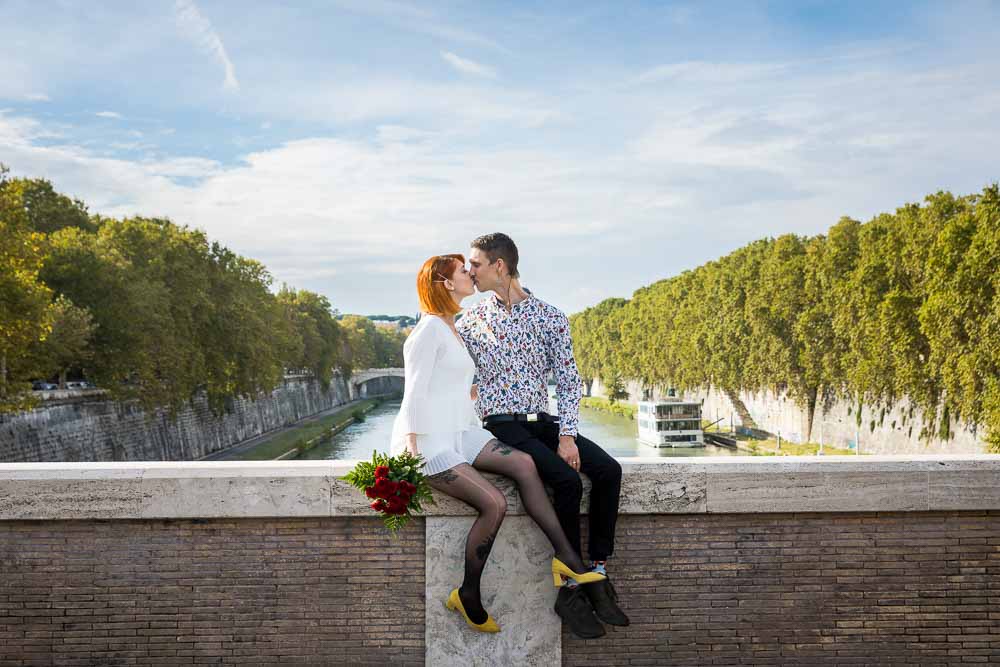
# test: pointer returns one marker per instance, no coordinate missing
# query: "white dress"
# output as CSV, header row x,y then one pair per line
x,y
436,404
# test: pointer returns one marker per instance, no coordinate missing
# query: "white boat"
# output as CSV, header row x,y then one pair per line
x,y
670,423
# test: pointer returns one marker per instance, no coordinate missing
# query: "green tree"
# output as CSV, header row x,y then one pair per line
x,y
48,211
903,306
360,349
24,298
68,344
321,336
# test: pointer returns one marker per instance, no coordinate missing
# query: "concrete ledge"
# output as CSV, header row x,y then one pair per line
x,y
148,490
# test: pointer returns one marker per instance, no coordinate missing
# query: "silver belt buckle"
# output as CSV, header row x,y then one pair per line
x,y
532,416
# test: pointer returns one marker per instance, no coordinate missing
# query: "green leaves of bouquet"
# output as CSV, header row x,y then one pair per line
x,y
395,485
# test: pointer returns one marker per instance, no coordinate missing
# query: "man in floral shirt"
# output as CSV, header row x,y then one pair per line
x,y
518,342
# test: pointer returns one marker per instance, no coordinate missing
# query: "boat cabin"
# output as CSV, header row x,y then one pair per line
x,y
670,423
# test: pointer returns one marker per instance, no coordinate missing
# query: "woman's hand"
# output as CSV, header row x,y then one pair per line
x,y
475,391
411,443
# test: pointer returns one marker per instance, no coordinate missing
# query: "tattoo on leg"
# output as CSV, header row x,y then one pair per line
x,y
483,550
502,449
444,477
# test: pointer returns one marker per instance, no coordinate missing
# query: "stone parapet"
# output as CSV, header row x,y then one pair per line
x,y
241,489
749,561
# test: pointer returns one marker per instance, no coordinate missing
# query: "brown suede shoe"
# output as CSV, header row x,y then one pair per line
x,y
604,598
574,609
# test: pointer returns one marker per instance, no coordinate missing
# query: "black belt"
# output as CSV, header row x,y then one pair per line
x,y
530,417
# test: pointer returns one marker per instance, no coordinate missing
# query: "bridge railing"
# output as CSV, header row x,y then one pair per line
x,y
716,559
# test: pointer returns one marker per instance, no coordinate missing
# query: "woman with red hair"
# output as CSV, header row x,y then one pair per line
x,y
437,420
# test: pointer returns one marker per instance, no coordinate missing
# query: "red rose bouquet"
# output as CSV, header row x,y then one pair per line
x,y
395,485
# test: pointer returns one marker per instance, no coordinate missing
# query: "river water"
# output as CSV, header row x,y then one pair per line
x,y
617,435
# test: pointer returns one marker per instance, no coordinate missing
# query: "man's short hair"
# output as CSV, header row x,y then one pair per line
x,y
499,245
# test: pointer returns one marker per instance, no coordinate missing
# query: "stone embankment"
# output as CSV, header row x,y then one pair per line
x,y
890,430
91,428
86,426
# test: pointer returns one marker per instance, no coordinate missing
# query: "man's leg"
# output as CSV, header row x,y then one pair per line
x,y
567,489
605,474
573,604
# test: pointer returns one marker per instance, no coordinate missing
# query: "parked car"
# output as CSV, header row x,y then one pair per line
x,y
79,384
42,385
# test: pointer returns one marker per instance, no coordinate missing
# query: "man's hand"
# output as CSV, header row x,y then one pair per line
x,y
569,452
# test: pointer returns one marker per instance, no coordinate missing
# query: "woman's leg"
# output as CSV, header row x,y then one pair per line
x,y
464,483
509,462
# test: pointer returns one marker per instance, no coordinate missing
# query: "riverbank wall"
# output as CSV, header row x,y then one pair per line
x,y
88,427
758,561
896,429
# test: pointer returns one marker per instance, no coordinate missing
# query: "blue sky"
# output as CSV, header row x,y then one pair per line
x,y
341,142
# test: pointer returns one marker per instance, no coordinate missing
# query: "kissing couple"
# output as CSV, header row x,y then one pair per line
x,y
492,368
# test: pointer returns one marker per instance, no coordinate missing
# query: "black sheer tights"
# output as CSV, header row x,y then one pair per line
x,y
518,466
466,484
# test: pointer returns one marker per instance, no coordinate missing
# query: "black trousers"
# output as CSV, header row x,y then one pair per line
x,y
541,441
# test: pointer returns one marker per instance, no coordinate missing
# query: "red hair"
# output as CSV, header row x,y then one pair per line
x,y
435,298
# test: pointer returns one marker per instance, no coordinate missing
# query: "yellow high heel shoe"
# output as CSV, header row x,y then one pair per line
x,y
560,569
454,602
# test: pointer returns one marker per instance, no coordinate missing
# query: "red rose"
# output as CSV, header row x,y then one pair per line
x,y
407,488
384,487
370,492
382,472
396,506
378,505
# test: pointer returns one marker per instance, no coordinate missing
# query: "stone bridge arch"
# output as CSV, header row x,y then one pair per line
x,y
375,381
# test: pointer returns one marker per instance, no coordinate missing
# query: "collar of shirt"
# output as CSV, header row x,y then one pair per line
x,y
496,303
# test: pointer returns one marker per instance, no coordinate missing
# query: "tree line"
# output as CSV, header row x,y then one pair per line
x,y
906,305
155,311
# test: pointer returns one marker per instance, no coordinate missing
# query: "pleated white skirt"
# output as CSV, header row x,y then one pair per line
x,y
447,450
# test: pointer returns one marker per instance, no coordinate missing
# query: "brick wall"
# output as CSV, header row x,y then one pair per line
x,y
751,589
251,591
804,589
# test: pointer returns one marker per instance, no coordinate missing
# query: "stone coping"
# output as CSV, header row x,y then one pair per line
x,y
651,485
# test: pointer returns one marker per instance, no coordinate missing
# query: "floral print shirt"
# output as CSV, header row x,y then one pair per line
x,y
515,354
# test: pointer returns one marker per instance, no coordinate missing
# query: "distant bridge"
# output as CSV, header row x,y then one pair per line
x,y
359,383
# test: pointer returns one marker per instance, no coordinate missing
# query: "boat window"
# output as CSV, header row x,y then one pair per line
x,y
679,425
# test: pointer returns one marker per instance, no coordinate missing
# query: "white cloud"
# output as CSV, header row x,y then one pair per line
x,y
310,206
414,19
699,171
19,132
466,66
37,97
388,134
199,29
183,167
697,71
391,101
109,114
627,175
